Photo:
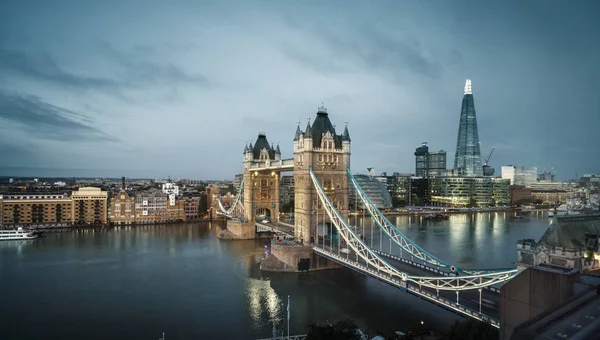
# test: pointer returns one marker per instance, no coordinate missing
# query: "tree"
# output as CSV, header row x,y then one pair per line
x,y
472,329
341,330
287,207
202,205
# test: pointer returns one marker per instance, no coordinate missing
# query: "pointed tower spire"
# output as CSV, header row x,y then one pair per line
x,y
346,136
298,132
278,151
246,148
468,89
307,134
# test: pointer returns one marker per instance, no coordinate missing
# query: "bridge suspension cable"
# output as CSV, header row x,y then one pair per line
x,y
456,283
237,201
406,243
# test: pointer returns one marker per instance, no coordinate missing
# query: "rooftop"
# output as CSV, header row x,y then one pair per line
x,y
570,231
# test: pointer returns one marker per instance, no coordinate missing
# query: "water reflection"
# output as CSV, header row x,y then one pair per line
x,y
470,240
182,280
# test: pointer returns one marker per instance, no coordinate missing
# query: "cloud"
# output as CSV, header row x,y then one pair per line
x,y
365,48
46,121
129,71
138,71
41,66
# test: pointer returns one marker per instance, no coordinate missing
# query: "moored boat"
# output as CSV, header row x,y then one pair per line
x,y
19,234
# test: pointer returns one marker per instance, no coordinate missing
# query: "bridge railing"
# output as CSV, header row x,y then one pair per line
x,y
273,164
356,244
406,243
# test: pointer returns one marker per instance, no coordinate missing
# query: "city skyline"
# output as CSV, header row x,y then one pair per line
x,y
177,90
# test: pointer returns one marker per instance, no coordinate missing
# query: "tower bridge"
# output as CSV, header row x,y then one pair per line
x,y
322,237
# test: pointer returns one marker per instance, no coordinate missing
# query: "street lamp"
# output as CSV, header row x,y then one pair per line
x,y
421,329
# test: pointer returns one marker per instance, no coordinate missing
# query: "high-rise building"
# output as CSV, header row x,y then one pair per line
x,y
467,160
421,160
429,164
436,163
520,175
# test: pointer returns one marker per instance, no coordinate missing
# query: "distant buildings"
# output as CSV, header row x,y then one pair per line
x,y
374,189
36,209
286,189
571,242
469,191
90,206
429,164
95,206
170,188
398,186
467,160
520,175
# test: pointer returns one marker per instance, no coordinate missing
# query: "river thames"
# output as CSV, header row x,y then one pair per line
x,y
137,282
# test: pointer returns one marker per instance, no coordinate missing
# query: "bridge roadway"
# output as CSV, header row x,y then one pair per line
x,y
468,300
285,228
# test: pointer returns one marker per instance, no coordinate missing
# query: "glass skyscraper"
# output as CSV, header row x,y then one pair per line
x,y
467,160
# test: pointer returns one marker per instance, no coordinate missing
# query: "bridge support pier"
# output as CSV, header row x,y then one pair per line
x,y
238,231
294,258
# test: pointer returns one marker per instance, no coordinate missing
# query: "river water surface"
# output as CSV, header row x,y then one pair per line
x,y
137,282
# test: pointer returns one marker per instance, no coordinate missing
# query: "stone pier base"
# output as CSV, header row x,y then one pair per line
x,y
293,259
238,231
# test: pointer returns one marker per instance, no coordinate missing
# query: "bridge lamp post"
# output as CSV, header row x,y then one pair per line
x,y
422,329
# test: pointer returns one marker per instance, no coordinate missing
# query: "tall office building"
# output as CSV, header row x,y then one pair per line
x,y
429,164
467,160
421,160
520,175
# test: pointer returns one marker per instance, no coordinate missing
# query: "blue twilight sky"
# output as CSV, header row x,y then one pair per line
x,y
156,88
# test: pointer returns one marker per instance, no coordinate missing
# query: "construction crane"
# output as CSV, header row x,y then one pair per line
x,y
487,170
490,156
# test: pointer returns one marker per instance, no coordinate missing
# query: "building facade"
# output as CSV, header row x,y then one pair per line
x,y
191,206
90,206
421,160
467,160
35,209
121,209
376,191
328,154
170,188
261,190
520,175
154,206
570,242
520,194
429,164
286,190
469,191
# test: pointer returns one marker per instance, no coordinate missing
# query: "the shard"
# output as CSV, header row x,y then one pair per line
x,y
467,160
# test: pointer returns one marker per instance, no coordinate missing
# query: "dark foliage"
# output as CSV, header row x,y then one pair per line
x,y
341,330
472,329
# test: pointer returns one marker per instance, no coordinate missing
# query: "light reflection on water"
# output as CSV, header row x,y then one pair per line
x,y
181,280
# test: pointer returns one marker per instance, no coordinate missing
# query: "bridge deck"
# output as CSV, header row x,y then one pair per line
x,y
468,301
283,228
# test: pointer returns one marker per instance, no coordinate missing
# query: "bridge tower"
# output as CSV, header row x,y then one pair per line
x,y
261,189
328,154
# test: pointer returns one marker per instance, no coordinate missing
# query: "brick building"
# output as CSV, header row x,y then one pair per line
x,y
35,209
90,206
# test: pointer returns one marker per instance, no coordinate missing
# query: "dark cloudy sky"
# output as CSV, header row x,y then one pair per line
x,y
156,88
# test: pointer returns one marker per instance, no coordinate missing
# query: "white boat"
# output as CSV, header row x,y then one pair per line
x,y
19,234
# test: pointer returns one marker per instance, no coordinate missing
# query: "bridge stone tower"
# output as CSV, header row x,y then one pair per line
x,y
328,154
261,189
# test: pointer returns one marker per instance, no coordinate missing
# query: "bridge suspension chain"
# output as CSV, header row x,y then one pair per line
x,y
407,244
396,235
236,202
368,255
